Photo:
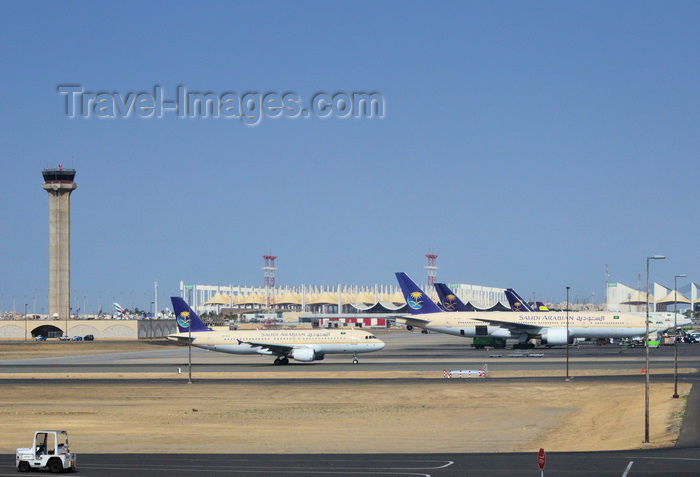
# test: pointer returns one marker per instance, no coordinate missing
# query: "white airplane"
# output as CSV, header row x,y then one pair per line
x,y
121,312
300,345
664,320
549,326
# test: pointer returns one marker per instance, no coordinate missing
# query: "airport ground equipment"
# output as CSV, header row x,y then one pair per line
x,y
467,373
49,451
482,342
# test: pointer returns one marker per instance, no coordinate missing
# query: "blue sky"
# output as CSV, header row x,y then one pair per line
x,y
527,146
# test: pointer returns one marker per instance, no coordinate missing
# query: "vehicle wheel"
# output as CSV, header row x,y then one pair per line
x,y
285,360
278,361
355,361
55,466
24,466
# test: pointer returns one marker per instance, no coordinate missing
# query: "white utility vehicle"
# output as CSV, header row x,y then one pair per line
x,y
49,451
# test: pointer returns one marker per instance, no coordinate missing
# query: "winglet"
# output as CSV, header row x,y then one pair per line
x,y
418,301
186,317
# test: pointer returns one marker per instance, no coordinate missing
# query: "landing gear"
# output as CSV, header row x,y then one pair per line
x,y
285,360
354,359
281,361
523,346
278,361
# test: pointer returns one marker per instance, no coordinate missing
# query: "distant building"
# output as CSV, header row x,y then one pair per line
x,y
341,299
623,298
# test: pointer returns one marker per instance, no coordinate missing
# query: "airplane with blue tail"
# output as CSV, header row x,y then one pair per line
x,y
550,328
449,300
516,302
299,345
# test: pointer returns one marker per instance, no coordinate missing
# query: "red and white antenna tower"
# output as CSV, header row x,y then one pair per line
x,y
269,270
432,268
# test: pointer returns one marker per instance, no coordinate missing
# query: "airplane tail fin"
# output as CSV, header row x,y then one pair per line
x,y
516,302
418,301
541,306
448,300
186,317
120,310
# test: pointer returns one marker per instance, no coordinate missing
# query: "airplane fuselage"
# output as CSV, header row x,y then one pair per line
x,y
581,324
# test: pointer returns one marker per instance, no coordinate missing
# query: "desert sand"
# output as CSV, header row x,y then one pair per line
x,y
19,349
382,416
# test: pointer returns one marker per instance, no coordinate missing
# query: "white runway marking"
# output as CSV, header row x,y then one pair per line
x,y
629,466
399,471
449,463
667,458
230,471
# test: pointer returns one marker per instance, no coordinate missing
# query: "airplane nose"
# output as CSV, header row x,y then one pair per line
x,y
381,345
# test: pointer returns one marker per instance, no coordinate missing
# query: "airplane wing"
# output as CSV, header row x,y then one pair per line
x,y
516,327
180,338
276,348
413,320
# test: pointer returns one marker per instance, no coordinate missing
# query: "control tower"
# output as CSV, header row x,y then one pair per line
x,y
59,183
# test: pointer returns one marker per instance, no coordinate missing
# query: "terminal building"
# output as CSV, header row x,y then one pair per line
x,y
325,300
623,298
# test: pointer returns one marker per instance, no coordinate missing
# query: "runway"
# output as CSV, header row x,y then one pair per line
x,y
404,352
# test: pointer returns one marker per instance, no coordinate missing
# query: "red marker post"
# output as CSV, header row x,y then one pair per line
x,y
541,461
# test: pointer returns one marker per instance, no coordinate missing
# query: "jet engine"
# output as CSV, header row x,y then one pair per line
x,y
409,327
555,336
303,354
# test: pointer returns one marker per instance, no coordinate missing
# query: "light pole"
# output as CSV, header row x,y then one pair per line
x,y
675,334
189,349
185,320
646,346
25,322
567,334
